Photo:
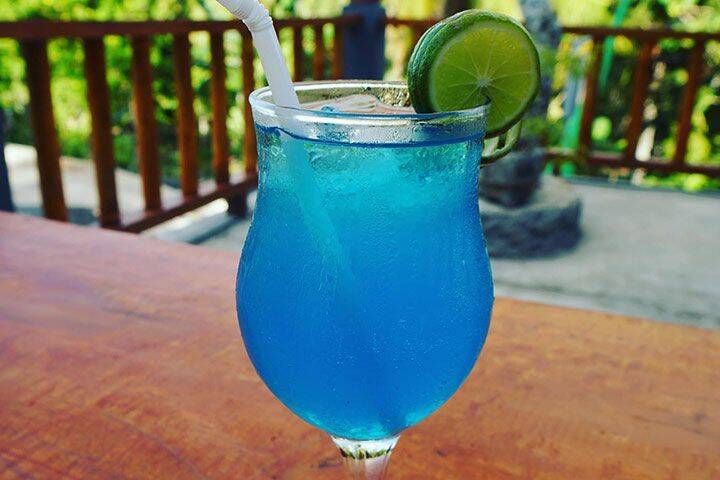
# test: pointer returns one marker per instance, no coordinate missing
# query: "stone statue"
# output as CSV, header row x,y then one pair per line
x,y
513,181
520,216
541,22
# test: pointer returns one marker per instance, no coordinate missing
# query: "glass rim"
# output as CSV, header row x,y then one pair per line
x,y
258,101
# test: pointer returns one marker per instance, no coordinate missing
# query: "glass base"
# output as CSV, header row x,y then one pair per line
x,y
366,459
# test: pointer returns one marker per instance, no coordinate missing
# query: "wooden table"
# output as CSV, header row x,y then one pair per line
x,y
120,357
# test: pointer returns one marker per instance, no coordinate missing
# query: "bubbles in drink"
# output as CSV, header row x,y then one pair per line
x,y
358,103
365,320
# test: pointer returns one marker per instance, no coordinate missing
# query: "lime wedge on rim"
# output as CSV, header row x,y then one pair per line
x,y
462,61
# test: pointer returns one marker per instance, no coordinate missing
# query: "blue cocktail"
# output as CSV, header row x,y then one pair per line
x,y
364,291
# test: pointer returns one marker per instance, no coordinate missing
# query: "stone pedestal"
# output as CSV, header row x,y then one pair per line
x,y
512,181
548,224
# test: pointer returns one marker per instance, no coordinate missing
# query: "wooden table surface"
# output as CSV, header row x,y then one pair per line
x,y
120,357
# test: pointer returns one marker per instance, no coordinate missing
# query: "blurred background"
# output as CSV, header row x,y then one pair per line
x,y
668,79
576,219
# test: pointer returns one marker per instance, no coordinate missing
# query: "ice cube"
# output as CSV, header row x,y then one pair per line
x,y
358,103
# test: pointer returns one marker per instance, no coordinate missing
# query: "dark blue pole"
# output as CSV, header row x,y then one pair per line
x,y
6,202
364,45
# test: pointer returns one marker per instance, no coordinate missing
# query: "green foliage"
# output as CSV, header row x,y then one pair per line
x,y
690,182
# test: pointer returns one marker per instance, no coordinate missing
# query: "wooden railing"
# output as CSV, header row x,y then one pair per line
x,y
649,43
34,37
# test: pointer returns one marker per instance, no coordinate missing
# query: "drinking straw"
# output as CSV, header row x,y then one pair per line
x,y
257,19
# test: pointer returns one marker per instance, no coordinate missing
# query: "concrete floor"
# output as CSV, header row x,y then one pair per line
x,y
81,193
78,182
647,253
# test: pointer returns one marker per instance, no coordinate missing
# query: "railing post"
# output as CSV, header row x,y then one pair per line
x,y
145,123
6,203
319,53
186,120
298,54
218,94
101,140
42,120
364,42
247,58
337,52
694,69
237,205
641,81
588,113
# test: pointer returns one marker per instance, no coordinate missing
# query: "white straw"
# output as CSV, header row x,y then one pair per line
x,y
257,19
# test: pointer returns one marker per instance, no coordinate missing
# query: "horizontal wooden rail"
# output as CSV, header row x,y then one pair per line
x,y
207,192
411,22
593,31
618,160
640,34
47,29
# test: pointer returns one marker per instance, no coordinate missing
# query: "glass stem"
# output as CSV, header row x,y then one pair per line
x,y
366,459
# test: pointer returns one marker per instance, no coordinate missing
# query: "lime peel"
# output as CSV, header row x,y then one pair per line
x,y
462,61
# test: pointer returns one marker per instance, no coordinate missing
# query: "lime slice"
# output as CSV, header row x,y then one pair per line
x,y
472,56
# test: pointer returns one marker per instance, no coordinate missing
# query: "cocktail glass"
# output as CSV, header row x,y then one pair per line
x,y
364,290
